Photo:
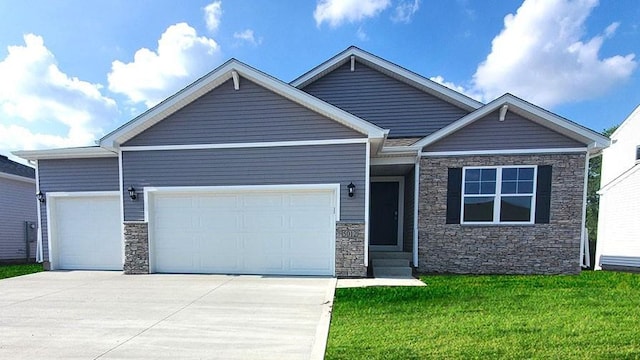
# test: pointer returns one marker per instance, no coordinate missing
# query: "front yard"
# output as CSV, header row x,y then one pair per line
x,y
593,315
7,271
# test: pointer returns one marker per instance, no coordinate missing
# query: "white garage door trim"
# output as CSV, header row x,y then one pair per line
x,y
51,199
149,192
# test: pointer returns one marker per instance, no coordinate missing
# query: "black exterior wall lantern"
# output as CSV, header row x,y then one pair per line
x,y
40,196
351,189
132,193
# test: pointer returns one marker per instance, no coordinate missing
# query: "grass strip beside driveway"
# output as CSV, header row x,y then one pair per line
x,y
7,271
592,315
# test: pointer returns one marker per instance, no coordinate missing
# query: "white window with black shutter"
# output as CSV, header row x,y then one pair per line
x,y
499,195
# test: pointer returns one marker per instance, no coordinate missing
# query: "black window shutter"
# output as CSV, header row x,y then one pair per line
x,y
543,194
454,195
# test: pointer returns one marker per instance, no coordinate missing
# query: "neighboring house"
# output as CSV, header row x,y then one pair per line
x,y
242,173
18,211
618,244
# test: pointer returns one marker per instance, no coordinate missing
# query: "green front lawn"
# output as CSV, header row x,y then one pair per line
x,y
593,315
7,271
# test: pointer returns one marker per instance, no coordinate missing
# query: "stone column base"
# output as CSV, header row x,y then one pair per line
x,y
136,247
350,250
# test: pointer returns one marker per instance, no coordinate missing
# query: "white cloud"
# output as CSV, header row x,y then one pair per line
x,y
542,56
336,12
404,11
212,15
461,89
361,34
180,58
36,95
248,36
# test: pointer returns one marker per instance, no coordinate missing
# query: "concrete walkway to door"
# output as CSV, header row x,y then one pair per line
x,y
107,315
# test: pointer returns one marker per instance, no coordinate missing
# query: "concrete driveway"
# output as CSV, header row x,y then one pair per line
x,y
107,315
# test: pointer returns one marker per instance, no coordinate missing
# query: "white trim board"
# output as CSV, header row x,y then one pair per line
x,y
67,153
245,145
39,249
505,152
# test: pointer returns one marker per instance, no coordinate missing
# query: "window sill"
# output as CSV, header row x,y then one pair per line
x,y
498,225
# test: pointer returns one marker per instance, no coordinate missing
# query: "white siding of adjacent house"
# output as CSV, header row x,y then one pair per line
x,y
618,225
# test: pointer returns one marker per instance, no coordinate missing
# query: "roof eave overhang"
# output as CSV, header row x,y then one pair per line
x,y
67,153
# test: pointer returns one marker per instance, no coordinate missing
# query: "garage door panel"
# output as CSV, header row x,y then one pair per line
x,y
269,232
87,232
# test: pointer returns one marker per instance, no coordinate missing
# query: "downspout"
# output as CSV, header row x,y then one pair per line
x,y
416,203
583,231
39,251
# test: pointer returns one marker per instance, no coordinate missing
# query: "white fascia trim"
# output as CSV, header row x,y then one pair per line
x,y
245,145
504,152
219,76
17,178
404,160
67,153
523,108
391,69
400,149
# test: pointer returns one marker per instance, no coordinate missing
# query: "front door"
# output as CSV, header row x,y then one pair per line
x,y
384,215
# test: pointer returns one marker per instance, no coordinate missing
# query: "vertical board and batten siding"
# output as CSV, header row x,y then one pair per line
x,y
409,196
319,164
515,132
17,205
385,101
250,114
74,175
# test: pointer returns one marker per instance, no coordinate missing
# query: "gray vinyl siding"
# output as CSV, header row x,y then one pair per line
x,y
250,114
409,196
385,101
515,132
321,164
74,175
17,205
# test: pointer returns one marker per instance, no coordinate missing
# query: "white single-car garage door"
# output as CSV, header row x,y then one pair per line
x,y
288,232
86,231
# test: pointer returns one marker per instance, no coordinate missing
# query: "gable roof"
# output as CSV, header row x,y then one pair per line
x,y
217,77
12,168
635,114
594,141
390,69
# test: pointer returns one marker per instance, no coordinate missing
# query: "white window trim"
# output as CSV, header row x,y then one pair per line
x,y
498,195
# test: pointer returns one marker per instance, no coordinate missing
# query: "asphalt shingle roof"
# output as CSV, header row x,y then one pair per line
x,y
11,167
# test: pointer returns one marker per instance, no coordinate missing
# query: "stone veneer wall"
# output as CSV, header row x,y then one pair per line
x,y
552,248
350,250
136,247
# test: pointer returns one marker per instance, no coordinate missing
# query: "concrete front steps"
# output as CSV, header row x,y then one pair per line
x,y
391,264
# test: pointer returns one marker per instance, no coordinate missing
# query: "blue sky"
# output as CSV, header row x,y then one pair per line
x,y
73,70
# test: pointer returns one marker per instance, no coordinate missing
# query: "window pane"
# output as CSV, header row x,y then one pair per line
x,y
515,208
509,187
488,175
488,187
525,174
510,174
478,209
472,188
525,187
472,175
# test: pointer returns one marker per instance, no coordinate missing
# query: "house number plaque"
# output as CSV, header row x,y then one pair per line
x,y
349,233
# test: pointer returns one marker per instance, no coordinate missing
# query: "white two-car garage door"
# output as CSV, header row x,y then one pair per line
x,y
86,231
288,232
